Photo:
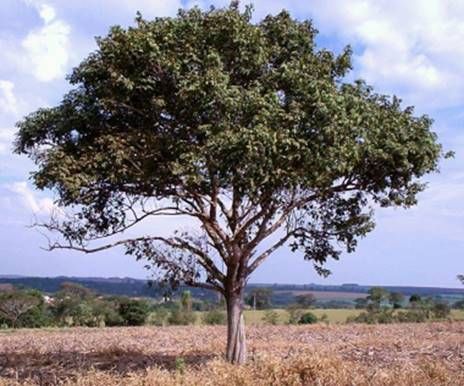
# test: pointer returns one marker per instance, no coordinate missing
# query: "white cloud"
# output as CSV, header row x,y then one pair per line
x,y
47,13
47,48
29,199
8,102
412,47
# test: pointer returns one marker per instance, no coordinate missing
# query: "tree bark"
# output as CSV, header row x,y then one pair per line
x,y
236,340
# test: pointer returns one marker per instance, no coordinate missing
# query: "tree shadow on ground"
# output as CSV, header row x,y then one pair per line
x,y
49,368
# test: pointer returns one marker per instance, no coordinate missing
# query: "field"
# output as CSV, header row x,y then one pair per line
x,y
406,354
333,315
328,295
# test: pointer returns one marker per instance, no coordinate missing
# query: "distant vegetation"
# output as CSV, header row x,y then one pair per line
x,y
384,307
282,295
76,305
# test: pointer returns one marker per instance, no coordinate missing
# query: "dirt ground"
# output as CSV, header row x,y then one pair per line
x,y
399,354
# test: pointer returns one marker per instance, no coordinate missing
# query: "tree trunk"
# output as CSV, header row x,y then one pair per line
x,y
236,341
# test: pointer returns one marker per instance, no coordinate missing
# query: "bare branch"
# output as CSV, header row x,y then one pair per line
x,y
258,260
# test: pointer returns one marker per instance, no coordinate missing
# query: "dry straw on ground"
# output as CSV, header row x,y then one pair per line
x,y
406,354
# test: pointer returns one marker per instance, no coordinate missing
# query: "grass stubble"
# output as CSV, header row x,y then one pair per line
x,y
398,354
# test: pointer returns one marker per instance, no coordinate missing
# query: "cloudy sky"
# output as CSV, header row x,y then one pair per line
x,y
413,49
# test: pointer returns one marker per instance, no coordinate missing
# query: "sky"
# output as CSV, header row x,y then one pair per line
x,y
412,49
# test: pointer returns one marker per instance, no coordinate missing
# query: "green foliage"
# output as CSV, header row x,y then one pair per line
x,y
422,311
360,303
373,317
159,317
294,313
259,298
182,313
414,299
107,312
181,317
214,316
376,296
459,304
308,318
271,317
75,290
396,299
38,316
411,316
200,305
186,301
441,310
74,306
461,278
305,300
134,312
15,304
180,365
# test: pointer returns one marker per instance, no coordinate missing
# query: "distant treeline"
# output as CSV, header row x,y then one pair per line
x,y
350,288
281,293
107,286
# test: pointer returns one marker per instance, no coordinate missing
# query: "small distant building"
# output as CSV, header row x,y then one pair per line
x,y
48,299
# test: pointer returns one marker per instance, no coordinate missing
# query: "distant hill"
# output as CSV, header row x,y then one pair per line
x,y
283,294
106,286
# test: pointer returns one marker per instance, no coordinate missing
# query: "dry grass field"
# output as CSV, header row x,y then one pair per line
x,y
406,354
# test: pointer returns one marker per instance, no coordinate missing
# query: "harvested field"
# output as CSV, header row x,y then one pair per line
x,y
406,354
329,295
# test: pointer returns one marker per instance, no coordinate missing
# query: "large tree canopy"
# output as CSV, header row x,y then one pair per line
x,y
249,129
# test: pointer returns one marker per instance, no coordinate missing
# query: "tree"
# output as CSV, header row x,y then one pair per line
x,y
308,318
415,300
260,298
360,303
186,301
214,316
15,304
305,300
376,296
134,312
76,305
271,317
396,299
248,129
459,304
441,309
75,290
37,316
294,313
183,314
106,311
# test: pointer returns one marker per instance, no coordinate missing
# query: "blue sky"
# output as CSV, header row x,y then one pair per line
x,y
413,49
